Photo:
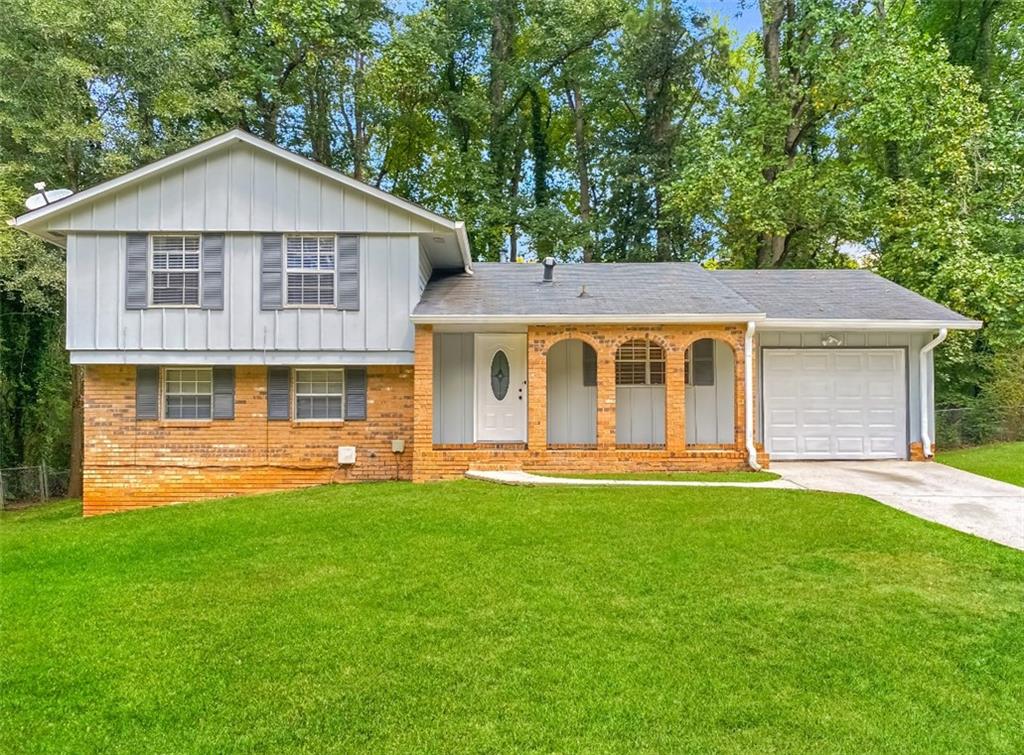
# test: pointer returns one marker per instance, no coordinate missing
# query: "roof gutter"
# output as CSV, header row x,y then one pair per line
x,y
772,323
748,396
922,373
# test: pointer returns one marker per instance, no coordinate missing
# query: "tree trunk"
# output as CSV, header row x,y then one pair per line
x,y
574,98
502,23
77,431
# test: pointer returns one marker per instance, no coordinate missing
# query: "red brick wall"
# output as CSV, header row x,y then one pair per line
x,y
132,463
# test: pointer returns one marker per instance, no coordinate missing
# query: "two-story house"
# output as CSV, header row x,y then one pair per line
x,y
250,320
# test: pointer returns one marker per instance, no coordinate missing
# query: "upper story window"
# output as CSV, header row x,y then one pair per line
x,y
309,269
640,362
188,392
174,269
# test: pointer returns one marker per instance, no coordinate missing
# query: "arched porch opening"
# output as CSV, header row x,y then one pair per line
x,y
572,394
640,393
710,393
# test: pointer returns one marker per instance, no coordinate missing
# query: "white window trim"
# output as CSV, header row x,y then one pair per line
x,y
334,272
295,396
149,272
163,394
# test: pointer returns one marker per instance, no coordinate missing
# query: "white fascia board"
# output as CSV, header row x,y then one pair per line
x,y
462,238
893,325
237,135
228,358
665,319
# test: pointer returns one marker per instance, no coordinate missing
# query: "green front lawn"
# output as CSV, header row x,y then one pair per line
x,y
474,617
673,476
1000,461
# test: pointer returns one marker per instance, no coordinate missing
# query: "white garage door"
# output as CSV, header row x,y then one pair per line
x,y
835,404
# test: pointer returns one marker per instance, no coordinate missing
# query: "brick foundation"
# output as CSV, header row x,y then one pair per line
x,y
133,463
917,452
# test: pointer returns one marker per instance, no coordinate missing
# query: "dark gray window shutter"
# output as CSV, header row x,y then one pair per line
x,y
279,392
355,393
213,271
147,392
589,366
271,271
223,392
347,294
136,283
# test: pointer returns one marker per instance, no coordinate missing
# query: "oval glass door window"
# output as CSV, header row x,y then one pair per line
x,y
499,375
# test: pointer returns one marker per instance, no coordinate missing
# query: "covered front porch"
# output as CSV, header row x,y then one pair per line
x,y
591,398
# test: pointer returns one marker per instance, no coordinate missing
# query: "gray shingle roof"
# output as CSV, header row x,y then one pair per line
x,y
665,288
678,289
832,295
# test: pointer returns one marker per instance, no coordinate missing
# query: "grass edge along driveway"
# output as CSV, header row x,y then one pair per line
x,y
1000,461
465,616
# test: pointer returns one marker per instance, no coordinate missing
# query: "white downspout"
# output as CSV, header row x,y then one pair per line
x,y
748,396
922,374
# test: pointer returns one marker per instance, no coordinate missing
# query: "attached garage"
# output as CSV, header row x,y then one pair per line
x,y
835,403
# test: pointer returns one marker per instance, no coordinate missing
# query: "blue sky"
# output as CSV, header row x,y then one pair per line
x,y
741,15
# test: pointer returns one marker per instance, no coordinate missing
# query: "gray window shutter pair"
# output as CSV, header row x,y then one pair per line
x,y
272,272
136,280
147,392
279,393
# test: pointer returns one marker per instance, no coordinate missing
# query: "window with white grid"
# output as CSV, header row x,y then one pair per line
x,y
175,270
188,392
309,268
319,394
640,362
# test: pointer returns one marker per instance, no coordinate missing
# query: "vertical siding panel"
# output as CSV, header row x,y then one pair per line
x,y
330,207
402,268
217,168
104,214
725,391
127,209
174,328
355,212
376,297
240,183
309,329
194,195
264,188
171,201
399,221
354,322
308,200
243,307
287,188
376,215
106,269
149,205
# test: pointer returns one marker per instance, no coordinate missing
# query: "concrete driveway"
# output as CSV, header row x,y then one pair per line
x,y
987,508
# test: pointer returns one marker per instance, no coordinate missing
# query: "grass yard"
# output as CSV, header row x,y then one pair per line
x,y
1000,461
473,617
673,476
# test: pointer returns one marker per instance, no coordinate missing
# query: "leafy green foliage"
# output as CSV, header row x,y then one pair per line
x,y
844,133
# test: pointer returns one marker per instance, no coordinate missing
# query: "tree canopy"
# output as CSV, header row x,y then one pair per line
x,y
844,132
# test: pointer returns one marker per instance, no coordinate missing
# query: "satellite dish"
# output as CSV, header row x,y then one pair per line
x,y
44,198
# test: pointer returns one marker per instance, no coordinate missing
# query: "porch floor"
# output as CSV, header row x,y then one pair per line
x,y
519,477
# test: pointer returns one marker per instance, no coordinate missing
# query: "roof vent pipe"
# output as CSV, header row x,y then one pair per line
x,y
549,269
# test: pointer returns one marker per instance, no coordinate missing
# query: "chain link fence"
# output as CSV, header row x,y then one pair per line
x,y
959,426
20,486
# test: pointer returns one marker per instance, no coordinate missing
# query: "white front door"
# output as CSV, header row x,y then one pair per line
x,y
835,404
500,387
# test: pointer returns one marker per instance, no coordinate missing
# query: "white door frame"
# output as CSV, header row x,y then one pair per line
x,y
484,344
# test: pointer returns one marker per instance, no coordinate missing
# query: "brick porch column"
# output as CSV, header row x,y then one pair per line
x,y
536,390
675,396
423,400
606,396
739,402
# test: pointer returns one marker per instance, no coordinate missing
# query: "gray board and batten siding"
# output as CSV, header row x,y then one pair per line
x,y
241,193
